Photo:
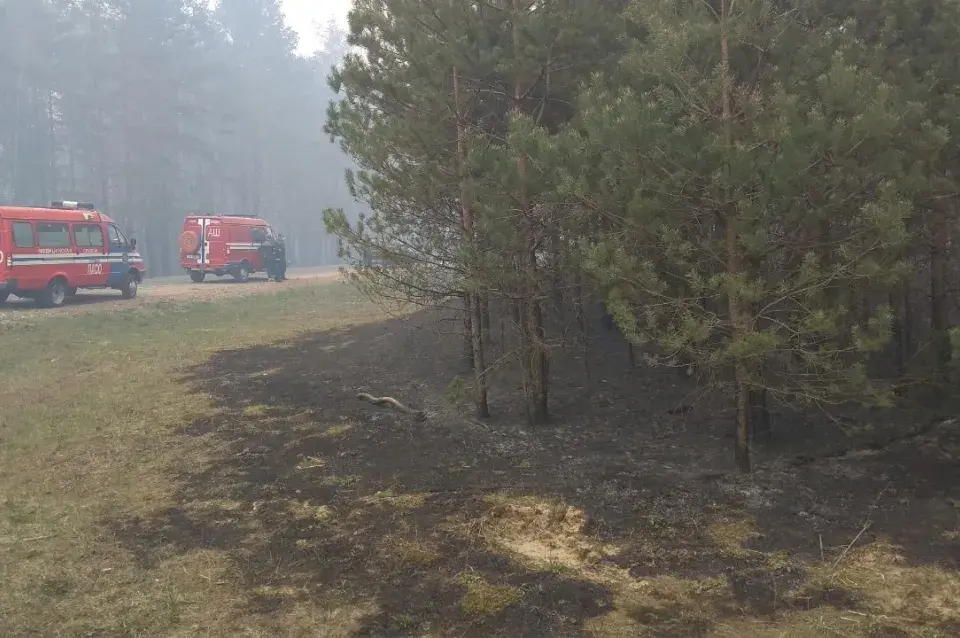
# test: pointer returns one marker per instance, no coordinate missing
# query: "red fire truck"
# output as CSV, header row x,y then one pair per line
x,y
223,245
46,254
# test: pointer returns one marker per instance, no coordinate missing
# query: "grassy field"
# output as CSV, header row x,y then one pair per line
x,y
202,468
91,410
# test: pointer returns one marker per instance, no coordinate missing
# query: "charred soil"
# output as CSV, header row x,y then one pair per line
x,y
313,513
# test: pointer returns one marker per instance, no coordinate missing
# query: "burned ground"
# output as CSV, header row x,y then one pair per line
x,y
622,517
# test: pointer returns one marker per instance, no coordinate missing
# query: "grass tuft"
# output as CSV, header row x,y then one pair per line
x,y
482,598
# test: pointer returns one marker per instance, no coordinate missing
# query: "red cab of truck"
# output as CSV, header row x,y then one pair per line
x,y
47,254
223,245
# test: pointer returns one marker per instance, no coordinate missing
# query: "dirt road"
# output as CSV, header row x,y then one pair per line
x,y
177,288
167,289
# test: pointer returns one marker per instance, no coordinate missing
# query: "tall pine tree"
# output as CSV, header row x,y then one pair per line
x,y
749,168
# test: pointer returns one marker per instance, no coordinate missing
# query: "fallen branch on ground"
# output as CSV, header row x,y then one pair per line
x,y
846,550
393,403
866,525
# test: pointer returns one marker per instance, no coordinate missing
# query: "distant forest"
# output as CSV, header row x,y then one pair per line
x,y
154,109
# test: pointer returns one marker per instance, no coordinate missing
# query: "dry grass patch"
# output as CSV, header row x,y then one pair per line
x,y
389,498
663,606
483,598
885,586
346,481
545,535
308,618
730,536
337,430
254,411
309,511
872,593
409,551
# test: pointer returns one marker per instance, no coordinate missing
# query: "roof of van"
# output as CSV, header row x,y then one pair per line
x,y
51,214
236,220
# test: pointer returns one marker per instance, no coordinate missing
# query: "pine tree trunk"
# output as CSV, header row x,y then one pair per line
x,y
502,323
556,274
580,305
908,349
742,392
479,363
485,309
52,183
939,313
468,332
473,300
538,364
741,377
900,351
535,363
72,168
17,132
760,413
606,320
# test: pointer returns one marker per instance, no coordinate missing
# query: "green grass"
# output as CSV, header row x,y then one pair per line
x,y
89,407
65,378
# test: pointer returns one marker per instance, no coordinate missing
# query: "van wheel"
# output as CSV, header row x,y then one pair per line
x,y
197,276
53,295
131,283
242,273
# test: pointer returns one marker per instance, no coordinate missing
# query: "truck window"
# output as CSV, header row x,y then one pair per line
x,y
117,240
53,235
23,235
88,236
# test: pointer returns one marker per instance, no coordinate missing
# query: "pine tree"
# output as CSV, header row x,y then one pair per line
x,y
403,117
440,115
545,51
750,162
913,47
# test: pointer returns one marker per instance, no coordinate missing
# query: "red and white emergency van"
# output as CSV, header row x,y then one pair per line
x,y
223,245
46,254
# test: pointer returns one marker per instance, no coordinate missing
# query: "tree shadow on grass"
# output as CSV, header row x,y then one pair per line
x,y
316,493
460,528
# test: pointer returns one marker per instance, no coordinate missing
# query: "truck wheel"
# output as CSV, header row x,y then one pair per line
x,y
197,276
242,273
131,283
53,295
